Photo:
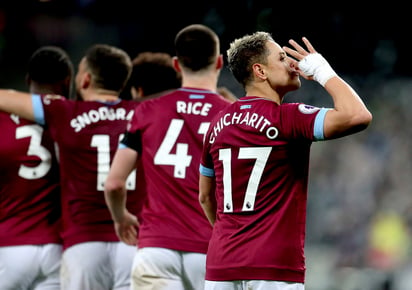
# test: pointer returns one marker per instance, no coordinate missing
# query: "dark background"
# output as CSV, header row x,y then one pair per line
x,y
356,40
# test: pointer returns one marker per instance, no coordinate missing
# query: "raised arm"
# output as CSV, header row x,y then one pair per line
x,y
349,114
18,103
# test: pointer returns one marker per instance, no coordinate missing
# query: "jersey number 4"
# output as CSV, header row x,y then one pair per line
x,y
181,159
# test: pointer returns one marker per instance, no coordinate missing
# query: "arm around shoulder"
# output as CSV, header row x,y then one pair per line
x,y
18,103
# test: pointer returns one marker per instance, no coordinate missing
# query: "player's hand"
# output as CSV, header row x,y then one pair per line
x,y
126,229
299,53
308,62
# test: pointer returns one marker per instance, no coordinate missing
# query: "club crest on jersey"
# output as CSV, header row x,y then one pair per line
x,y
49,97
307,109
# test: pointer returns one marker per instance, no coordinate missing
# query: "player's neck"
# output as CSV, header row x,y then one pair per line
x,y
101,95
262,93
205,82
46,89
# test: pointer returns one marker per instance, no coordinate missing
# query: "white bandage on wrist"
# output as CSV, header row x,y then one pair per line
x,y
314,64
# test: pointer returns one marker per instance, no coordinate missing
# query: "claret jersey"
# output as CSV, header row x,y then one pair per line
x,y
87,134
29,184
168,133
258,152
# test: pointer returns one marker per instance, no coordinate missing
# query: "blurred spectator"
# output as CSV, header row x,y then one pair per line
x,y
152,73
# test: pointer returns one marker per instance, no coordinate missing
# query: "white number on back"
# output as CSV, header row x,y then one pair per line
x,y
35,133
261,154
102,143
181,159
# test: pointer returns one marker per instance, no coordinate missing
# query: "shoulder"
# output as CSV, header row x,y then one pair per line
x,y
129,104
54,102
300,108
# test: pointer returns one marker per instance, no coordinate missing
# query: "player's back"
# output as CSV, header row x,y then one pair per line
x,y
87,134
172,129
260,153
29,184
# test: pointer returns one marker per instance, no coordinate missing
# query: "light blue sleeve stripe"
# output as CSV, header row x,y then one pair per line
x,y
206,171
319,121
38,109
122,146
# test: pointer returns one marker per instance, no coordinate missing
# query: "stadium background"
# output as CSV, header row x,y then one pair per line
x,y
360,193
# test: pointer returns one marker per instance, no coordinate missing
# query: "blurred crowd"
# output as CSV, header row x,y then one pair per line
x,y
360,201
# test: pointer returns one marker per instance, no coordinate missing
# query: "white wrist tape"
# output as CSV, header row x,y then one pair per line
x,y
314,64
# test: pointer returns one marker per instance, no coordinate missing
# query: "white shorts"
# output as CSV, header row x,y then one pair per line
x,y
252,285
30,267
97,265
159,268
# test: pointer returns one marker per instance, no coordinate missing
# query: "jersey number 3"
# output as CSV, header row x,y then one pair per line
x,y
35,133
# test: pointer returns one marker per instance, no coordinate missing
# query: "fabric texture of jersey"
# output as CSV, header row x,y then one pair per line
x,y
168,133
29,184
87,134
259,152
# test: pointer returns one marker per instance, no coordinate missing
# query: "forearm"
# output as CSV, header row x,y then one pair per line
x,y
116,202
344,97
349,114
206,197
115,191
18,103
209,209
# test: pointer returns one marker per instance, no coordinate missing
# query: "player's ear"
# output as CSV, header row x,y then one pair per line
x,y
219,62
176,64
259,71
86,80
137,93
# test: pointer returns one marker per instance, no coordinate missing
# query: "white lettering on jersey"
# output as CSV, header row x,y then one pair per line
x,y
253,120
195,108
103,113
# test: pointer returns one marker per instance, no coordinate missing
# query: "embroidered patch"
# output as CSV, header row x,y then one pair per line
x,y
307,109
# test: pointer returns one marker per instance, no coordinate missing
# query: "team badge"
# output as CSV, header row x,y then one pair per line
x,y
307,109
